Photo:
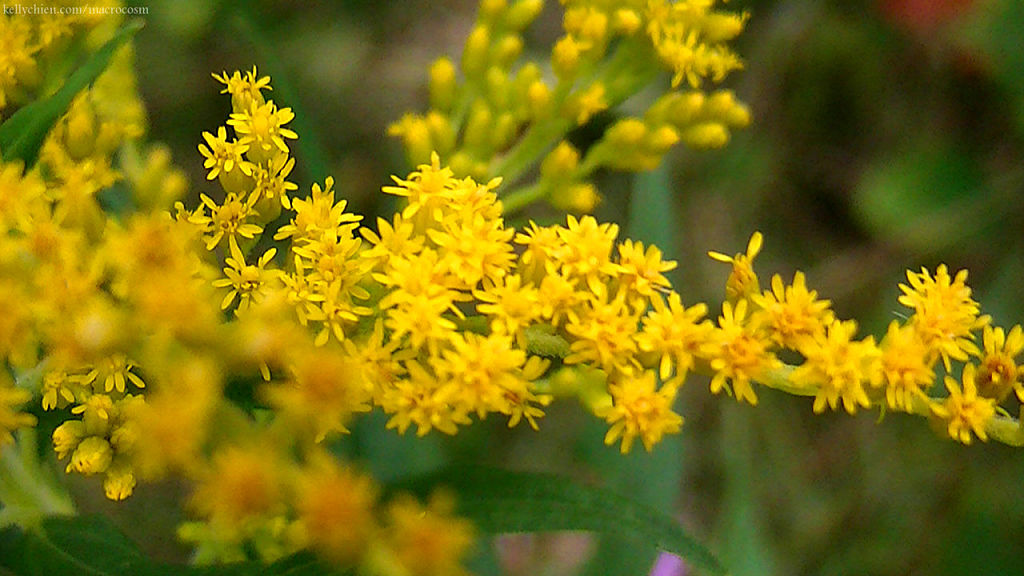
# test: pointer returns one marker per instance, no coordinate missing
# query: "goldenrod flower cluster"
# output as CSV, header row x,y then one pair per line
x,y
230,341
897,373
502,115
60,288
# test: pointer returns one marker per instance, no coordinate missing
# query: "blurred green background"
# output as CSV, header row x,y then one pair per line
x,y
886,135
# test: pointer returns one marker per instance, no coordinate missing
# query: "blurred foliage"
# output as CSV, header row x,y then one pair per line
x,y
887,135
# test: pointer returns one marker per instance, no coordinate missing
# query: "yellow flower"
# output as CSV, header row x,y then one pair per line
x,y
690,38
392,239
418,399
676,335
324,389
998,372
247,282
302,292
336,311
425,190
241,483
588,248
944,313
379,358
740,351
907,367
172,423
838,367
742,281
473,248
963,410
428,540
270,187
61,389
640,410
603,332
335,506
794,314
483,374
244,90
331,258
223,158
640,271
112,374
543,248
510,305
11,417
92,456
261,126
227,220
318,214
119,482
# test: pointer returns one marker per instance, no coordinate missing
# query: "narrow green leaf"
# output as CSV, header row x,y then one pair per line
x,y
652,211
23,133
93,546
500,501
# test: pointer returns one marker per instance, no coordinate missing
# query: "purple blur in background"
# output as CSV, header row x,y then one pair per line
x,y
668,565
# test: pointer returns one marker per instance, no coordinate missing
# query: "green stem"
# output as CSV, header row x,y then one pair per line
x,y
538,139
622,79
520,198
1004,429
28,493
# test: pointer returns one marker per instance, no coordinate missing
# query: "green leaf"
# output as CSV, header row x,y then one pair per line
x,y
23,133
84,545
650,478
501,501
93,546
652,214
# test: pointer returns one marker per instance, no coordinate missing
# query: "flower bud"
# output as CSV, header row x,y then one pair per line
x,y
497,87
67,436
522,13
507,50
662,138
442,84
80,138
478,126
415,135
560,163
474,56
626,134
594,27
539,97
504,131
706,135
119,482
442,135
492,10
92,456
721,26
580,197
565,57
626,21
